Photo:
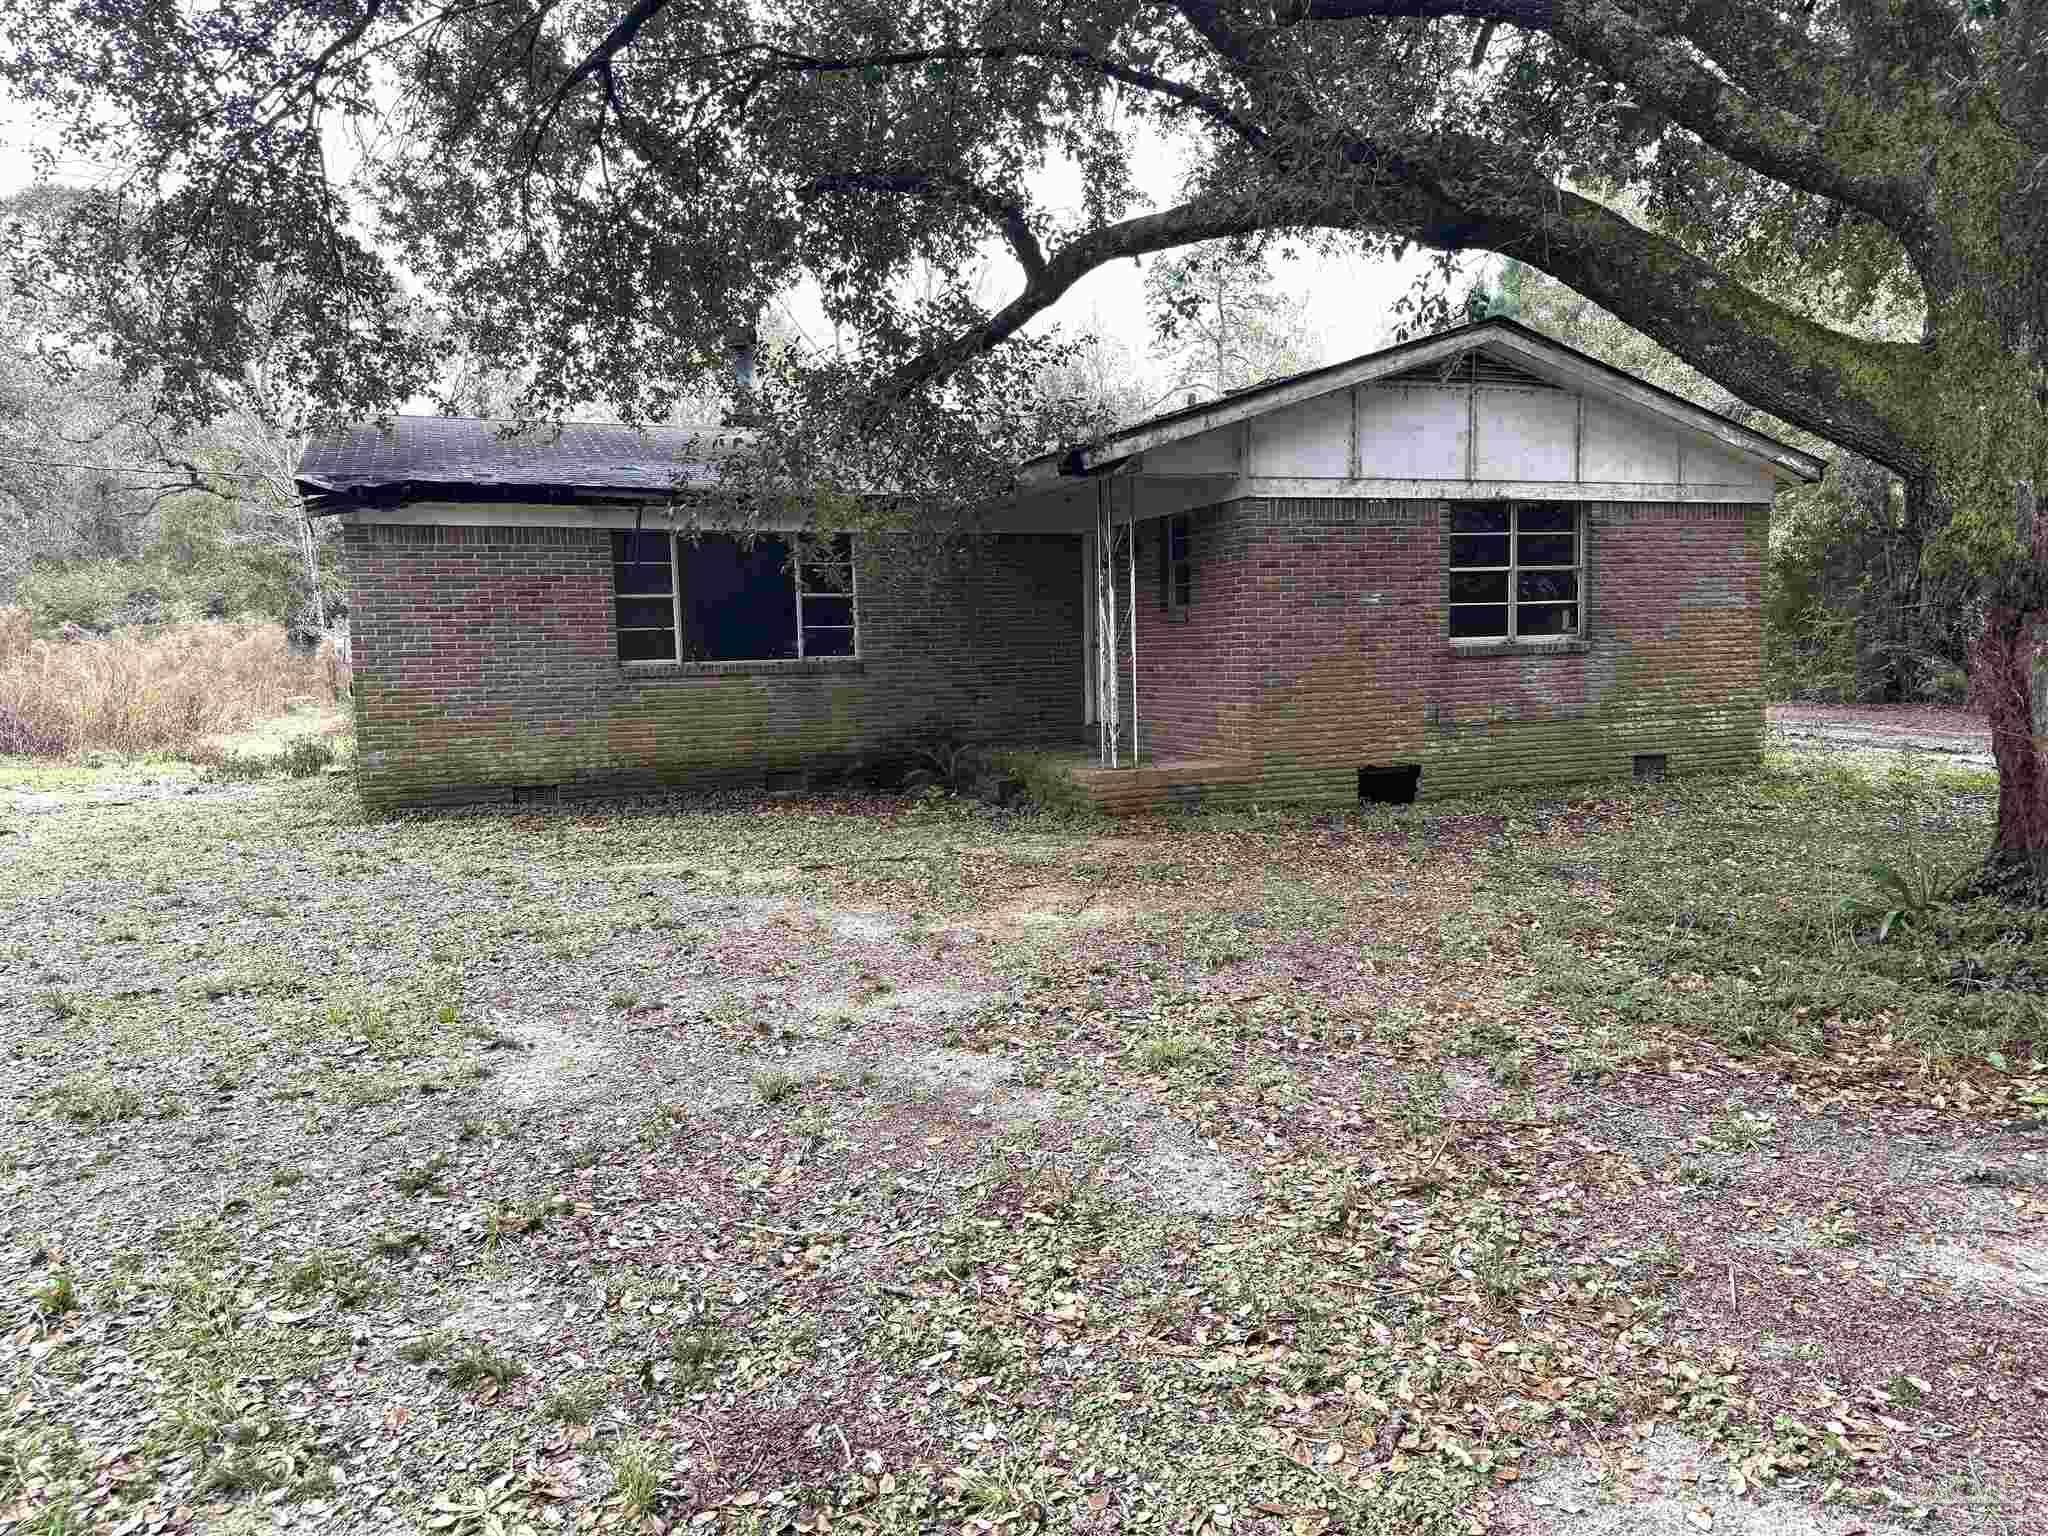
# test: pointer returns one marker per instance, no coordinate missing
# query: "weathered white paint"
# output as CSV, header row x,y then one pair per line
x,y
1313,438
1473,490
1708,463
1215,452
1626,445
539,514
1573,372
1409,432
1523,434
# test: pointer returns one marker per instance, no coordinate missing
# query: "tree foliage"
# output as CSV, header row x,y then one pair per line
x,y
1222,322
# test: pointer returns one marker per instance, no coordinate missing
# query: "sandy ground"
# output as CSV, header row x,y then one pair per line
x,y
1959,735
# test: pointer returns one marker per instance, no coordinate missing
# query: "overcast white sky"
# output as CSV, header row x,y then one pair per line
x,y
1347,298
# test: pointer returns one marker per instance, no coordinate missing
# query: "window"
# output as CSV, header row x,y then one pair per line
x,y
1515,570
1176,568
716,598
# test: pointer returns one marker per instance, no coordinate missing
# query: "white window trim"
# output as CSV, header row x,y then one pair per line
x,y
675,597
1514,568
852,594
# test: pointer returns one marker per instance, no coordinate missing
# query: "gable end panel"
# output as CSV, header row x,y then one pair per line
x,y
1412,433
1524,434
1624,446
1309,439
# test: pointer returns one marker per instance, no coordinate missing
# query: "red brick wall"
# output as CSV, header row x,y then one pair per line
x,y
1316,645
485,663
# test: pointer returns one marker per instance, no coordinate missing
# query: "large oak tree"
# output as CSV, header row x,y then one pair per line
x,y
601,190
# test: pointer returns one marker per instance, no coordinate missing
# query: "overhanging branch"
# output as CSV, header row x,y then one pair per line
x,y
912,182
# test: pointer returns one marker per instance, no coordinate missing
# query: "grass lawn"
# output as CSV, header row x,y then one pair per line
x,y
842,1165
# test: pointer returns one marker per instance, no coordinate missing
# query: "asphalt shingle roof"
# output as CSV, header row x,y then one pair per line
x,y
413,455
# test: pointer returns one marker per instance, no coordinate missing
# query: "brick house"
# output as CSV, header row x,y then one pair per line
x,y
1478,559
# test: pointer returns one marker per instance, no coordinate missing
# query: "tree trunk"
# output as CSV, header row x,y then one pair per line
x,y
2009,674
307,544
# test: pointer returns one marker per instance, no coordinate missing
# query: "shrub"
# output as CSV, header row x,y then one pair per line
x,y
142,690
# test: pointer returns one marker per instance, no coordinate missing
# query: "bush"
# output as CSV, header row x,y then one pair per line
x,y
157,690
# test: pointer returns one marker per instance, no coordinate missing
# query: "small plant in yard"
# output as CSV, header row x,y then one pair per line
x,y
1163,1054
570,1405
95,1099
422,1178
1740,1129
635,1475
1509,1069
625,1002
1701,1175
520,1219
1838,1229
59,1005
397,1244
696,1352
983,1355
1420,1109
425,1349
480,1363
57,1295
1907,887
774,1084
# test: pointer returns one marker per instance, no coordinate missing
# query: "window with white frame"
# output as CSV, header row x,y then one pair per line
x,y
715,597
1516,570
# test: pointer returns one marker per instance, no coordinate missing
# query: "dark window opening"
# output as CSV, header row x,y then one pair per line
x,y
1176,568
643,581
738,603
1650,765
1515,570
715,597
1394,785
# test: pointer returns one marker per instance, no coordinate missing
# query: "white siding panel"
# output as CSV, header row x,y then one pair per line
x,y
1706,465
1525,434
1622,445
1212,453
1412,434
1313,438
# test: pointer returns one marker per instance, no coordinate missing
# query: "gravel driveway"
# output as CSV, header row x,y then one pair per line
x,y
1959,735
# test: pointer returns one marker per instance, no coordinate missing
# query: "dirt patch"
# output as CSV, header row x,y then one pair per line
x,y
1667,1485
2016,1267
1177,1173
1046,910
551,1064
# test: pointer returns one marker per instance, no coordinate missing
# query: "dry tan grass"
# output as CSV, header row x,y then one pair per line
x,y
142,690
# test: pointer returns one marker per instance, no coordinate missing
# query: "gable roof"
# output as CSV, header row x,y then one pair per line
x,y
466,458
1484,349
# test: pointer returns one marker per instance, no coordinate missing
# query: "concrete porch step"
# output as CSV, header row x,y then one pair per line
x,y
1153,786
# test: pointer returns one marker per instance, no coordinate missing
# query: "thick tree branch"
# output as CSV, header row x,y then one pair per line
x,y
597,62
1664,73
910,181
1188,224
1795,368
